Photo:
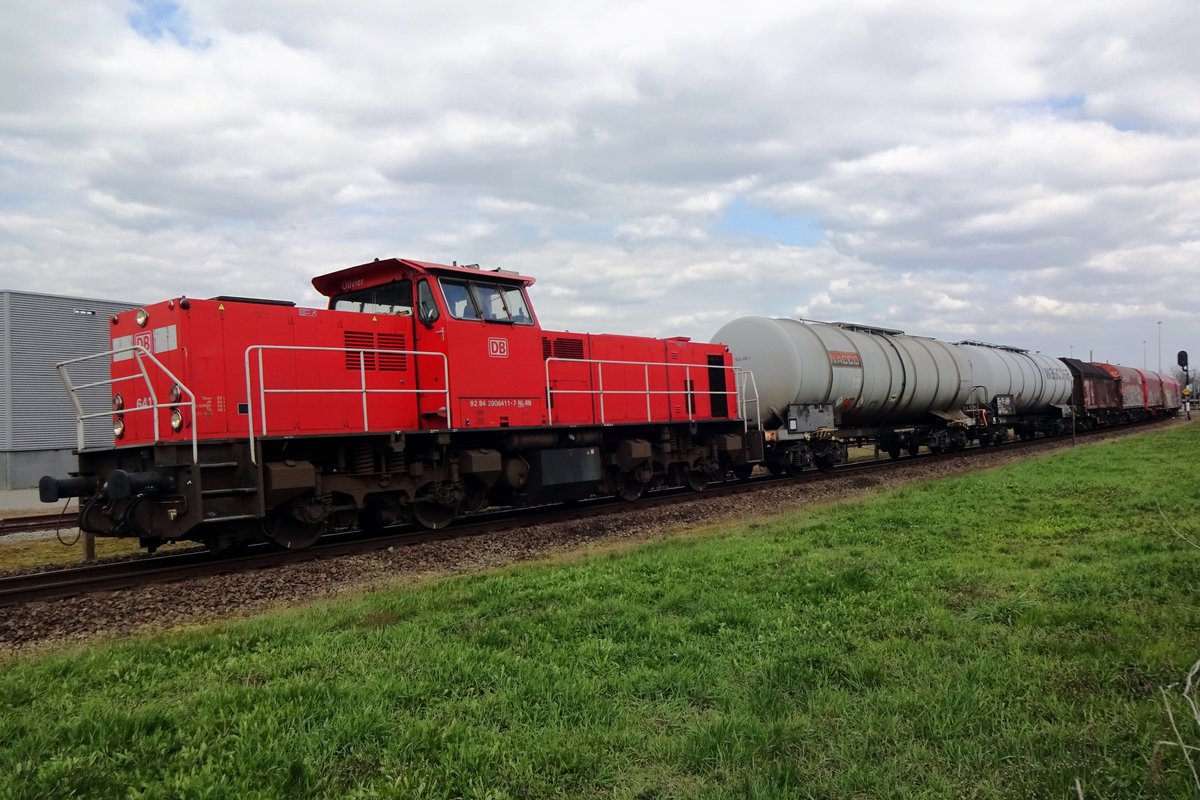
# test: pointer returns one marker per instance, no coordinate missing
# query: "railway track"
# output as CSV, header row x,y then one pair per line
x,y
164,568
37,522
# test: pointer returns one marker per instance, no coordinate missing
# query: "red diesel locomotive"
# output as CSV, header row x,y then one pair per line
x,y
422,392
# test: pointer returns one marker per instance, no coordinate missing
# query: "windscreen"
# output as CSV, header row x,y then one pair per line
x,y
486,300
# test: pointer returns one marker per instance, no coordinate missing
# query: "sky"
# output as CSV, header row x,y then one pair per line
x,y
1024,173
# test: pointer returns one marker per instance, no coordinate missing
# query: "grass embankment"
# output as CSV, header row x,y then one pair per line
x,y
995,635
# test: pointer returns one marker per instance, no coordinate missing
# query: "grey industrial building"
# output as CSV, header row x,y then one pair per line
x,y
37,420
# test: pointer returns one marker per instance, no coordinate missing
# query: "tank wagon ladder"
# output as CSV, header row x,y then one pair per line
x,y
747,395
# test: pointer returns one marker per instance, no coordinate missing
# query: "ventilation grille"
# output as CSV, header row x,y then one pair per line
x,y
356,341
568,348
547,349
392,362
359,340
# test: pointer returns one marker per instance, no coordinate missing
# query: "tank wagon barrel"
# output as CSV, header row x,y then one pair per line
x,y
823,385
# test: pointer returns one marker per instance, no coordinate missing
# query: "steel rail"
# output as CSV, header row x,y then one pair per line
x,y
39,522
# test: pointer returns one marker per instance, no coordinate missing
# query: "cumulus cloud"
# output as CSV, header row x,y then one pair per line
x,y
1019,172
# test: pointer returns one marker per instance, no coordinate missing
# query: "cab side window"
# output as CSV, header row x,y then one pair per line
x,y
427,309
390,298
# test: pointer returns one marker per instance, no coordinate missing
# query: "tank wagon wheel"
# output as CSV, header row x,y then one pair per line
x,y
742,471
913,449
894,452
824,463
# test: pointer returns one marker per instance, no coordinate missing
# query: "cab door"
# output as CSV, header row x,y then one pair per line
x,y
432,359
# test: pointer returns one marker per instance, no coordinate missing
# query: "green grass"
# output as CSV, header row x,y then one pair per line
x,y
995,635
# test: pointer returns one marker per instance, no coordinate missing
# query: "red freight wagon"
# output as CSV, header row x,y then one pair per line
x,y
423,391
1096,395
1144,393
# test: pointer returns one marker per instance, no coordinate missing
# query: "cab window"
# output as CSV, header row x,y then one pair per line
x,y
426,304
390,298
458,300
487,301
514,301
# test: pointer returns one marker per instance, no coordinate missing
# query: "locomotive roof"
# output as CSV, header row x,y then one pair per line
x,y
380,271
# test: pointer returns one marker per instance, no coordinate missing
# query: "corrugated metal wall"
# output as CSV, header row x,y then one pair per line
x,y
5,379
41,331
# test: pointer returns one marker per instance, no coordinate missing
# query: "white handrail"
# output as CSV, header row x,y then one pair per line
x,y
263,391
138,353
745,383
735,393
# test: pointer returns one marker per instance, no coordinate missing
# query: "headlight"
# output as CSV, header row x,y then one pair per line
x,y
176,420
119,427
176,393
142,317
118,402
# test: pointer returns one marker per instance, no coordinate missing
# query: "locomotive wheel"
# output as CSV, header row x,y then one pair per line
x,y
697,480
824,463
290,533
476,499
742,471
432,514
631,488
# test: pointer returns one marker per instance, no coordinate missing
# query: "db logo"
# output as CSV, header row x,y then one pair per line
x,y
144,339
498,348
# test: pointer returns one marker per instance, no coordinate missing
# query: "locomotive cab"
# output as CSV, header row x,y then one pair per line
x,y
483,317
